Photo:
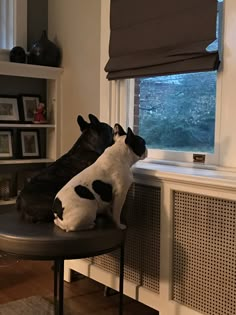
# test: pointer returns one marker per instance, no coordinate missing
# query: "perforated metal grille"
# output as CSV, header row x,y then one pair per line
x,y
142,250
204,253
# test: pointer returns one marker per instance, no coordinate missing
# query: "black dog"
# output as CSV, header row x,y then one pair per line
x,y
36,198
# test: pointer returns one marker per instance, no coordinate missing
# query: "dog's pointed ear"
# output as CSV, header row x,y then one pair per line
x,y
82,123
130,136
118,131
130,132
93,119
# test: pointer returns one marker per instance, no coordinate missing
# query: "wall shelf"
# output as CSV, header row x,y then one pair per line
x,y
29,71
25,161
49,133
11,125
11,201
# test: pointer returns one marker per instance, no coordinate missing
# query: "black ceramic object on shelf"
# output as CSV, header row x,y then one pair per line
x,y
44,52
17,54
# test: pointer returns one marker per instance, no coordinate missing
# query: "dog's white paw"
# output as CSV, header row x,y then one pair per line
x,y
122,226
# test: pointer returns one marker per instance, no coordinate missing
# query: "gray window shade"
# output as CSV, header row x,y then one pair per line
x,y
160,37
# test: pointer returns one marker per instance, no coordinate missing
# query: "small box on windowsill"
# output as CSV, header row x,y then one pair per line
x,y
199,158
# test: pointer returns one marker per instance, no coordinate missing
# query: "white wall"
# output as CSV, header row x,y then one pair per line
x,y
228,92
75,26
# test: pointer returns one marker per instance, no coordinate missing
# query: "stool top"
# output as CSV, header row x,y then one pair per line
x,y
45,241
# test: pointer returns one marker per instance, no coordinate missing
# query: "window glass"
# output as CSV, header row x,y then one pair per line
x,y
177,112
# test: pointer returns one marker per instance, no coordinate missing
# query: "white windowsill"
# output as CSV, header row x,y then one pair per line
x,y
211,176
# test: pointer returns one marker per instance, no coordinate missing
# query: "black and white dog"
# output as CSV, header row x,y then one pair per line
x,y
102,187
36,198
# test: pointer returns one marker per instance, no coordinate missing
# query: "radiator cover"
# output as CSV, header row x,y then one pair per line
x,y
204,253
142,251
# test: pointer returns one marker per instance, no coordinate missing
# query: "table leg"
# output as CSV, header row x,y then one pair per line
x,y
59,286
55,285
121,289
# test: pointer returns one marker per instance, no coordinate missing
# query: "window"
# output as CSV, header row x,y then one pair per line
x,y
13,23
118,99
177,112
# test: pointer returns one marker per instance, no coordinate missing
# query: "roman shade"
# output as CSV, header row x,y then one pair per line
x,y
160,37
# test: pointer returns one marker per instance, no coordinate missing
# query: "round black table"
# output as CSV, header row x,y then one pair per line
x,y
45,241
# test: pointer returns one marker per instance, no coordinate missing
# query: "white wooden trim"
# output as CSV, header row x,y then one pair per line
x,y
29,71
37,126
213,178
130,100
11,201
54,109
26,161
80,265
166,243
86,268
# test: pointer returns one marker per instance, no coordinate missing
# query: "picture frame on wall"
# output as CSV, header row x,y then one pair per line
x,y
9,108
6,148
29,105
29,143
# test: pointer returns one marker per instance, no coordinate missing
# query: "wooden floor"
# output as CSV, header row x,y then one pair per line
x,y
19,279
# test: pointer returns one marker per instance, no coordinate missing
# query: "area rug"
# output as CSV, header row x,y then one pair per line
x,y
33,305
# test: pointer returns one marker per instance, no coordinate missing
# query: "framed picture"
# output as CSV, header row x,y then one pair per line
x,y
6,150
9,108
29,104
29,143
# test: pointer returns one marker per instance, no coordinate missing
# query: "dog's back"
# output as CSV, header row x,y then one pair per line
x,y
35,200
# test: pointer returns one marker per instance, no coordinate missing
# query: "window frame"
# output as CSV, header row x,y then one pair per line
x,y
114,96
184,156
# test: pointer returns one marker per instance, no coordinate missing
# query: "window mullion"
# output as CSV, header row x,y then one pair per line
x,y
115,102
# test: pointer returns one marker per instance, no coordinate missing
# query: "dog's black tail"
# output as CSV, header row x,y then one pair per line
x,y
57,208
34,213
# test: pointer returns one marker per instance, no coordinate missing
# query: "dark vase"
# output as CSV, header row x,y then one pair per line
x,y
44,52
17,54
